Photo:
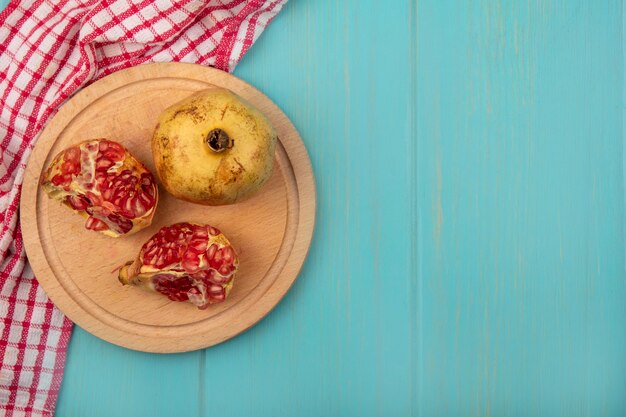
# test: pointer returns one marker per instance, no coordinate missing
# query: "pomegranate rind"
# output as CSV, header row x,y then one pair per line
x,y
191,169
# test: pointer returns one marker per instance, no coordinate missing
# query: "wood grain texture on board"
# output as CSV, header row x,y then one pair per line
x,y
468,258
271,231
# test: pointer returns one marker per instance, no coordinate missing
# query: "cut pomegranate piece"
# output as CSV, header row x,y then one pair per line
x,y
185,262
102,181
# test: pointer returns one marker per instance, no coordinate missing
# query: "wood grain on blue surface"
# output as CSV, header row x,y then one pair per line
x,y
469,252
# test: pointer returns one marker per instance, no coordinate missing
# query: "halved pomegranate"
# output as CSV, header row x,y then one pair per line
x,y
102,181
185,262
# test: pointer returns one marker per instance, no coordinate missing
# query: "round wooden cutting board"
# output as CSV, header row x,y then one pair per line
x,y
271,231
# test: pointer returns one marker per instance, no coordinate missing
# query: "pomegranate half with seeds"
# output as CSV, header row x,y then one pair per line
x,y
100,180
185,262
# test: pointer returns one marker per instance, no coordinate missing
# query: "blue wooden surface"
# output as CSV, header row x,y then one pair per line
x,y
469,251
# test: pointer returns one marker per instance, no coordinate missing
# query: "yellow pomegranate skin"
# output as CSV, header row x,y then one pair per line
x,y
213,148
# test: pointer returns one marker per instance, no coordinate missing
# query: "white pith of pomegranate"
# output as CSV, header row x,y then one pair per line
x,y
103,182
185,262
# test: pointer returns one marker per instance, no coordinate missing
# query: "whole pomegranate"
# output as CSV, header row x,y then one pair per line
x,y
213,148
185,262
100,180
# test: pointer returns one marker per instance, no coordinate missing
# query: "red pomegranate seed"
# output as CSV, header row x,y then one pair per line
x,y
210,253
95,224
190,262
78,202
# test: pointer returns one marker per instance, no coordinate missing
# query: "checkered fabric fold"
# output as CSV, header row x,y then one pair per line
x,y
48,51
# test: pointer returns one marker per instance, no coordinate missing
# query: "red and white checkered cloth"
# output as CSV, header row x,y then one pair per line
x,y
48,51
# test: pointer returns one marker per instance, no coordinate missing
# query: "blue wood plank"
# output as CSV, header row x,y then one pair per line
x,y
106,380
469,253
520,208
